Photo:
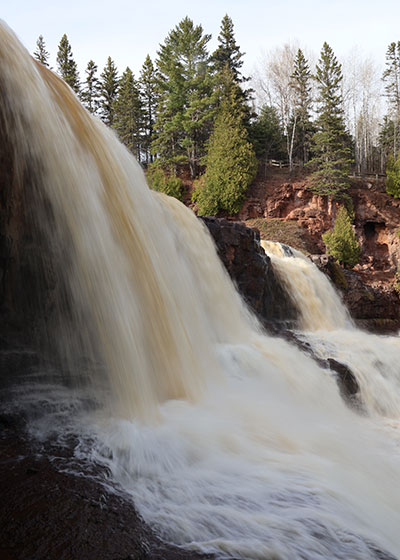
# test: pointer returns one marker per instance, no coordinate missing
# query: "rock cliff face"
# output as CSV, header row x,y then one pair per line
x,y
250,269
370,294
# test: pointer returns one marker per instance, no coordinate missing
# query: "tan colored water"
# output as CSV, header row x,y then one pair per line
x,y
229,441
319,304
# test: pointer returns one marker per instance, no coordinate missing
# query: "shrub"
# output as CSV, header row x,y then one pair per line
x,y
341,241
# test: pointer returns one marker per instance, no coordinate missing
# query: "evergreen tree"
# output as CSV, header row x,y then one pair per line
x,y
301,84
392,78
108,91
66,64
341,242
91,92
231,162
149,97
266,135
228,52
185,106
41,54
228,55
331,143
128,113
393,176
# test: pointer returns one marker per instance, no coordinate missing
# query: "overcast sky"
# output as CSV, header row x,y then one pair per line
x,y
127,30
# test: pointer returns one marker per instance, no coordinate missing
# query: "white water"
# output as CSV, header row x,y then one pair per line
x,y
228,440
319,304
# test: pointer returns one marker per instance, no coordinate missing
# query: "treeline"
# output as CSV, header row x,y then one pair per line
x,y
194,109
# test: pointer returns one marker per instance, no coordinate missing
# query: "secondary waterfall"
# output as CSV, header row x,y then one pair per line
x,y
319,304
374,360
228,440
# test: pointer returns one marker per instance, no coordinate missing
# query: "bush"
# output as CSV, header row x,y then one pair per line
x,y
341,241
168,184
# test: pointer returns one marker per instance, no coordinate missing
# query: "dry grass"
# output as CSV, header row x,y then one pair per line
x,y
288,232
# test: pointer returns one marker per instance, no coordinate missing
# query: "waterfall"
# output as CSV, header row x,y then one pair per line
x,y
229,441
319,304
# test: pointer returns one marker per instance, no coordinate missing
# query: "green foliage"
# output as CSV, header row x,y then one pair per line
x,y
127,108
301,85
66,64
148,98
108,91
393,176
228,52
90,95
168,184
266,135
341,241
331,143
41,54
231,161
185,107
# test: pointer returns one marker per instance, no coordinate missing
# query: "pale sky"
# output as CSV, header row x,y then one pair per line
x,y
127,30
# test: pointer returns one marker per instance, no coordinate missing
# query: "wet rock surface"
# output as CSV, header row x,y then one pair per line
x,y
250,269
374,306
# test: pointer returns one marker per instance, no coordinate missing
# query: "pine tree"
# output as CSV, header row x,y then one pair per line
x,y
393,176
91,92
341,242
41,54
185,107
392,88
231,162
149,98
331,143
128,113
108,91
66,64
301,84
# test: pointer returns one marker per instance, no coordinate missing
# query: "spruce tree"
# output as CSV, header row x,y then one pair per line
x,y
228,52
341,241
66,64
231,163
108,91
331,142
41,54
128,113
91,92
149,98
301,84
185,106
228,55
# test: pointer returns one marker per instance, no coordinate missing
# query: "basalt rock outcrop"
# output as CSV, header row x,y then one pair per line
x,y
374,306
250,269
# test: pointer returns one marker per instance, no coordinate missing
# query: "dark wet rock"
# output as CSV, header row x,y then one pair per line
x,y
250,269
346,379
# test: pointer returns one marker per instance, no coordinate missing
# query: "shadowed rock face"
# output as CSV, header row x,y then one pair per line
x,y
250,269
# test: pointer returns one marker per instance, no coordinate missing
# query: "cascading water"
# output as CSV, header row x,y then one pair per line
x,y
319,304
229,441
374,360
